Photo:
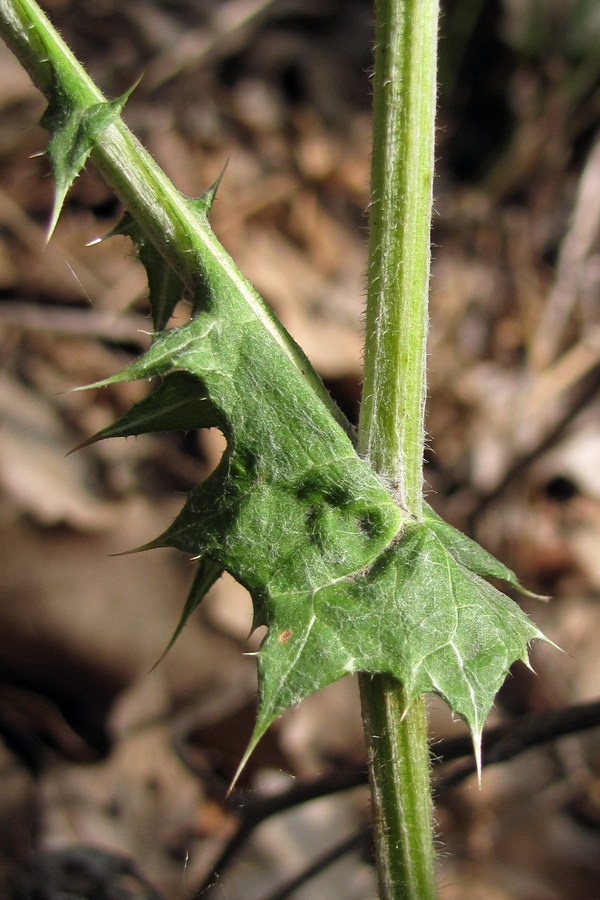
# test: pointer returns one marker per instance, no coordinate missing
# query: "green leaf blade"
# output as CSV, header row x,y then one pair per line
x,y
344,579
178,404
417,615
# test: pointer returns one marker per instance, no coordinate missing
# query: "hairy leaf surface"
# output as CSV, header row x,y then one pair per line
x,y
342,577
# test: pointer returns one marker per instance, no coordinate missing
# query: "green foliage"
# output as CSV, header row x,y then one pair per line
x,y
343,578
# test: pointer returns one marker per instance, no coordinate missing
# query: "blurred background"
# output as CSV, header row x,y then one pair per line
x,y
112,776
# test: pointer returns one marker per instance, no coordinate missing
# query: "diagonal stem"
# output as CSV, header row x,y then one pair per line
x,y
187,244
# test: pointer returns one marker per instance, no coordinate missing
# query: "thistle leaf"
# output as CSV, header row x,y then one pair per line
x,y
344,579
178,404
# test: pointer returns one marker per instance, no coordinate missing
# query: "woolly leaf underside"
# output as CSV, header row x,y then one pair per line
x,y
344,580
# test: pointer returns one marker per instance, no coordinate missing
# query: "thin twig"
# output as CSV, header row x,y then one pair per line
x,y
354,842
587,390
575,252
499,744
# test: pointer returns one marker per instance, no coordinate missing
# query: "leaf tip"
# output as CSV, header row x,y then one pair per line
x,y
203,204
252,744
164,653
157,544
120,102
540,636
90,387
211,193
533,595
208,572
59,200
476,739
85,443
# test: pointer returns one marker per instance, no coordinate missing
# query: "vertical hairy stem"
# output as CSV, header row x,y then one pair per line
x,y
400,789
392,413
391,432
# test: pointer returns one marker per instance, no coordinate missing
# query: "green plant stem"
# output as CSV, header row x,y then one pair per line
x,y
400,789
187,245
391,431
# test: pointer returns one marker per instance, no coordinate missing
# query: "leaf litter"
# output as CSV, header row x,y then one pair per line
x,y
450,444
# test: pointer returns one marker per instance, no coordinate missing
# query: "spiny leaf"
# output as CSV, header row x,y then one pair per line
x,y
416,614
342,577
344,580
178,404
74,130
